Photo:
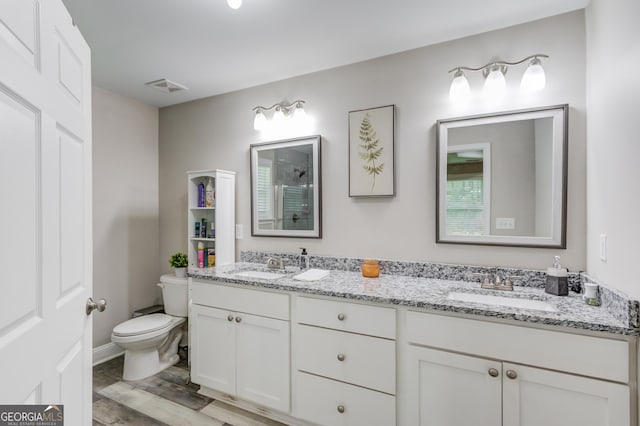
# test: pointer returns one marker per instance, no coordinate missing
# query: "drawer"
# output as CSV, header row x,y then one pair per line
x,y
353,317
262,303
319,400
574,353
366,361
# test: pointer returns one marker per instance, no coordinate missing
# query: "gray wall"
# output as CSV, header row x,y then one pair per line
x,y
125,208
613,151
217,132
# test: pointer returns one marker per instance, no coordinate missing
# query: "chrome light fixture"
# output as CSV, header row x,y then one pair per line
x,y
495,82
282,112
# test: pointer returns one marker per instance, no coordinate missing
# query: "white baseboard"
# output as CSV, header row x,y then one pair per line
x,y
106,352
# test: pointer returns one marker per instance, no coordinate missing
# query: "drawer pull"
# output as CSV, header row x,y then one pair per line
x,y
341,357
341,317
493,372
511,374
230,318
340,409
238,319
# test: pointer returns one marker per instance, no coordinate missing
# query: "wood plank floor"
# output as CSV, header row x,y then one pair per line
x,y
168,398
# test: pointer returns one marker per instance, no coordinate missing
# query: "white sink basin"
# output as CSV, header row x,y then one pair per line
x,y
513,302
259,274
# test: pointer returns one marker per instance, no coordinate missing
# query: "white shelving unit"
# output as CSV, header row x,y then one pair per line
x,y
222,215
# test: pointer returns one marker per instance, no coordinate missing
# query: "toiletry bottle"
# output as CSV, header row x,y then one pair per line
x,y
197,234
200,255
201,194
205,258
304,259
557,279
212,257
209,194
212,234
203,228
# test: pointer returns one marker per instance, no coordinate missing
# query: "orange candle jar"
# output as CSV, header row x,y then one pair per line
x,y
370,269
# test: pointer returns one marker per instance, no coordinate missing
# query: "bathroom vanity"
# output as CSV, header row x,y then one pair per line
x,y
348,350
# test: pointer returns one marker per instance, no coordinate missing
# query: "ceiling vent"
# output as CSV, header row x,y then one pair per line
x,y
166,86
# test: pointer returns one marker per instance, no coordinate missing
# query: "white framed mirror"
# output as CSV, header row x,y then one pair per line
x,y
286,187
502,178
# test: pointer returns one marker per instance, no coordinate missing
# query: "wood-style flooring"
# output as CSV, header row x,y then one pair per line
x,y
168,398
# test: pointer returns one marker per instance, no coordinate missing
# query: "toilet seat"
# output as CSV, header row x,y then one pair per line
x,y
143,325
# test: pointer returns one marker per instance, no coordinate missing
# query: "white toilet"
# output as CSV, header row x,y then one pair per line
x,y
151,341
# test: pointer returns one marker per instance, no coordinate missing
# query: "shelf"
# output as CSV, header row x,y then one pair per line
x,y
201,239
202,208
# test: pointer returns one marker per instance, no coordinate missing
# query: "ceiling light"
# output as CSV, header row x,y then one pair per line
x,y
495,82
234,4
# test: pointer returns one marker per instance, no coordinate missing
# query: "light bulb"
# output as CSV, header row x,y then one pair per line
x,y
278,116
533,78
494,84
299,114
234,4
260,121
459,90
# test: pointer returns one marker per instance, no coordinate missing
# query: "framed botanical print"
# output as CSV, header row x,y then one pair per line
x,y
371,152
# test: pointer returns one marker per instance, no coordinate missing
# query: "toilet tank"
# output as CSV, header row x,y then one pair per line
x,y
175,295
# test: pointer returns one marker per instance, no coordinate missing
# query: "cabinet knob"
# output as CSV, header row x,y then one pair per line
x,y
511,374
238,319
341,317
230,318
341,357
340,409
493,372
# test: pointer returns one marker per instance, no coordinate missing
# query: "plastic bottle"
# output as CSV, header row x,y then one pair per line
x,y
201,194
209,194
200,255
212,257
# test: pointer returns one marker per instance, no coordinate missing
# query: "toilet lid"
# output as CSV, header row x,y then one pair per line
x,y
143,324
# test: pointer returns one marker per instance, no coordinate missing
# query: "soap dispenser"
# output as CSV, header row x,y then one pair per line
x,y
557,279
304,259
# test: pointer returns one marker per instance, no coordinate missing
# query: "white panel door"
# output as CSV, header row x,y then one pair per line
x,y
262,371
45,215
213,348
449,389
537,397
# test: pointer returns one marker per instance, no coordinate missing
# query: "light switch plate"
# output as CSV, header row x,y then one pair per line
x,y
505,223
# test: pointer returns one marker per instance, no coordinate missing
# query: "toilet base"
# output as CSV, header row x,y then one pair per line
x,y
142,363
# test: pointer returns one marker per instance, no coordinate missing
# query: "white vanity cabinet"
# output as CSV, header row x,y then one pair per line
x,y
490,374
240,343
345,355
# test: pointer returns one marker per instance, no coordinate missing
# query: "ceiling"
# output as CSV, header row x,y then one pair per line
x,y
213,49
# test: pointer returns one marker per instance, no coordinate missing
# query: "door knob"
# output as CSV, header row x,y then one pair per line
x,y
100,305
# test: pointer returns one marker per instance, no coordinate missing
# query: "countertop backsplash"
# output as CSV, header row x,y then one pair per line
x,y
613,301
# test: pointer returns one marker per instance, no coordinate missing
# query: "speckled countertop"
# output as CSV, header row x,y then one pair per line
x,y
430,293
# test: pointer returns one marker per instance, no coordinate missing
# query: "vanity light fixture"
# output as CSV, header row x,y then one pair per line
x,y
282,112
234,4
494,75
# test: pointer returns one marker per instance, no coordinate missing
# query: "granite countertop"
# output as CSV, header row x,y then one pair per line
x,y
429,293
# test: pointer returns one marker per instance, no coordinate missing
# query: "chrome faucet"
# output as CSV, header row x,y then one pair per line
x,y
275,263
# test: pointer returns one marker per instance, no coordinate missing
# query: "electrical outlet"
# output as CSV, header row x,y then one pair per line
x,y
603,247
505,223
239,231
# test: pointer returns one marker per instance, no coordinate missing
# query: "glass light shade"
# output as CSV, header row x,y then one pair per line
x,y
459,90
260,121
278,116
495,84
534,78
299,114
234,4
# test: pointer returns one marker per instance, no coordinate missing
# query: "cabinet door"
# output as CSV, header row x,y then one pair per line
x,y
539,397
263,361
213,355
453,390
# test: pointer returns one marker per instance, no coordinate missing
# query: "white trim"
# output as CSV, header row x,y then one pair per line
x,y
106,352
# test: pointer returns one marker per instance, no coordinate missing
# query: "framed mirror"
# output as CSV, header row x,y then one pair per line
x,y
502,178
286,188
